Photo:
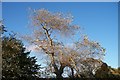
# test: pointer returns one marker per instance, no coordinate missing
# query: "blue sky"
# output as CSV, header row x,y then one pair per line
x,y
60,0
99,20
1,11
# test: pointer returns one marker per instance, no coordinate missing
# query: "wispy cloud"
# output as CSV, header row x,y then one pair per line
x,y
70,45
32,48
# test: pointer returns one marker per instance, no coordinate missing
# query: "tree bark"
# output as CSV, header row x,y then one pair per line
x,y
59,72
72,72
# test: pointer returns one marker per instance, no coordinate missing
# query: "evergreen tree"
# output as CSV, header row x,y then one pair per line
x,y
16,63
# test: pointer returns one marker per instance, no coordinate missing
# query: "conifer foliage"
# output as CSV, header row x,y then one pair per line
x,y
16,62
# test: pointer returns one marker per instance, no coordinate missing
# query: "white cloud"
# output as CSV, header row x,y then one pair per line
x,y
70,45
32,48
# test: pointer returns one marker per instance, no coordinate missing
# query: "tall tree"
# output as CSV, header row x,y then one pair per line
x,y
16,63
48,28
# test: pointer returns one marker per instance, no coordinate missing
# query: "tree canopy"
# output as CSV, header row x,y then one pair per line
x,y
16,62
46,27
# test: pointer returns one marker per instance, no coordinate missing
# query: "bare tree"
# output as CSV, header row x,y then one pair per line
x,y
47,29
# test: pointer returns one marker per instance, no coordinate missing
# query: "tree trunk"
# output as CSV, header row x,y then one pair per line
x,y
59,72
59,75
72,72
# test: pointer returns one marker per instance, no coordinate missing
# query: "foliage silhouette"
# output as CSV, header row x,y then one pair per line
x,y
16,62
